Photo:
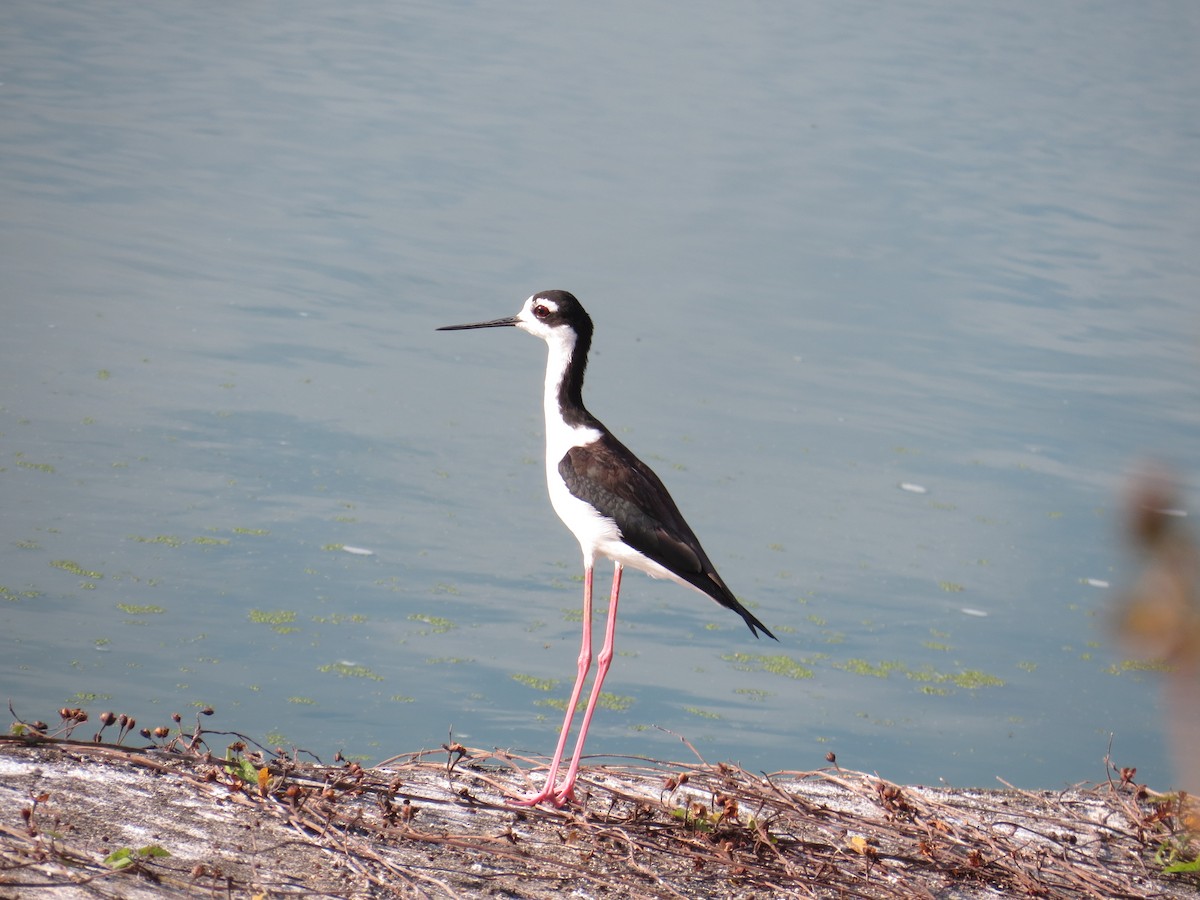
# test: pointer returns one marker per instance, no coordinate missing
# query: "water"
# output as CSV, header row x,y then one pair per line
x,y
831,249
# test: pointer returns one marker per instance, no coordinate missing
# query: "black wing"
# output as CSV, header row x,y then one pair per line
x,y
607,475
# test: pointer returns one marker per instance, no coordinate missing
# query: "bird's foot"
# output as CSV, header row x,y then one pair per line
x,y
558,798
562,798
546,794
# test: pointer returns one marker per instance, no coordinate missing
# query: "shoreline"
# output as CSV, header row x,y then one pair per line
x,y
83,819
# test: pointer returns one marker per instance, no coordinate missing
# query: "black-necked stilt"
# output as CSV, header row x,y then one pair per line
x,y
612,502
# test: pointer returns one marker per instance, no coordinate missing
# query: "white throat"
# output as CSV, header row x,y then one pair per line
x,y
594,531
560,437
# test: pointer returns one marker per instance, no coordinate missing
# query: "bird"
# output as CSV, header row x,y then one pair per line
x,y
610,500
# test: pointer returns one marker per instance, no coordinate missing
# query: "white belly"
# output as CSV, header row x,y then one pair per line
x,y
596,533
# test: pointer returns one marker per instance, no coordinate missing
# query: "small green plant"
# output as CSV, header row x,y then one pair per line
x,y
127,856
280,620
239,766
134,609
69,565
1177,857
438,624
349,670
538,684
1179,853
777,664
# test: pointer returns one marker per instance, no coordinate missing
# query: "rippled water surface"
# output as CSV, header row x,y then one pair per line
x,y
892,298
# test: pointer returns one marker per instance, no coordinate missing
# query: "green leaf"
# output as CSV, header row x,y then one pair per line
x,y
1193,866
242,768
119,859
126,857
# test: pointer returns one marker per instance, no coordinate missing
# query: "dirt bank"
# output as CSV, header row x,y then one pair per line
x,y
87,820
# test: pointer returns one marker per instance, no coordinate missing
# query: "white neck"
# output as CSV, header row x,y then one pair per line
x,y
560,437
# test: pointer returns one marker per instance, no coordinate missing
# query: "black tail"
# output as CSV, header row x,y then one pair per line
x,y
712,585
755,625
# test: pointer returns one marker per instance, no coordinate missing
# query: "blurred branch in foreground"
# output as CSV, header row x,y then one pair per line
x,y
1160,616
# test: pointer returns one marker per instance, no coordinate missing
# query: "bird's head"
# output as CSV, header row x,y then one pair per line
x,y
550,315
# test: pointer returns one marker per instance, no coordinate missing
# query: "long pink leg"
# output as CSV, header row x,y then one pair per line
x,y
585,662
603,661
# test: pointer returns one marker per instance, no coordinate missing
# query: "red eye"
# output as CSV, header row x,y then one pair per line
x,y
541,311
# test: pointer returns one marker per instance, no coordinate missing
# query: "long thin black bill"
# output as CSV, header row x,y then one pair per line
x,y
495,323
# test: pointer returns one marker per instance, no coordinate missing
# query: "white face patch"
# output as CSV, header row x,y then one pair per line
x,y
527,321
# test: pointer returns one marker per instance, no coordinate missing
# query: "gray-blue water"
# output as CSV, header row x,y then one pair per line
x,y
830,249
